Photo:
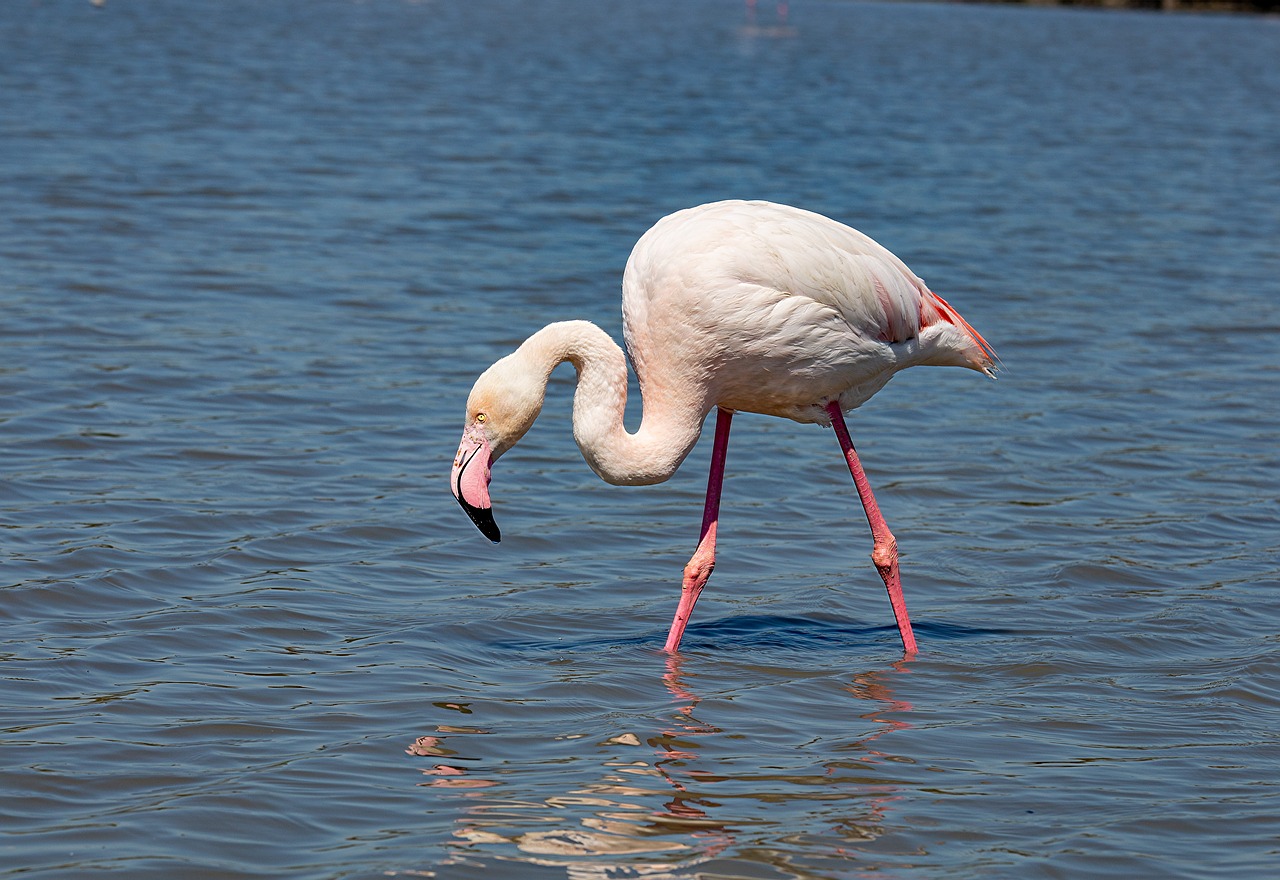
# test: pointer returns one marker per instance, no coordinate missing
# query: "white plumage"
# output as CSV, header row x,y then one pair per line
x,y
770,309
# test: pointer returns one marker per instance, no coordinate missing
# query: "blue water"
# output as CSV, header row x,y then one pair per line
x,y
252,256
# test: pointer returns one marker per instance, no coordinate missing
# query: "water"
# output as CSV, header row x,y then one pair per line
x,y
252,257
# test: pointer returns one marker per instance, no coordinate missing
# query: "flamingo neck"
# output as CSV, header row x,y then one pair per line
x,y
670,424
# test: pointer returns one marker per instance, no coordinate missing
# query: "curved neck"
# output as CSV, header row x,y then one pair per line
x,y
670,424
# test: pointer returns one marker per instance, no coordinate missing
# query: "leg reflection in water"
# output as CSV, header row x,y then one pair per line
x,y
689,791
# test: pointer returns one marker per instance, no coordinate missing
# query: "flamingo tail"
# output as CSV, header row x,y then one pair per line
x,y
934,308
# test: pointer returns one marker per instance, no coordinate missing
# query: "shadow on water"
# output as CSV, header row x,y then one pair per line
x,y
674,801
763,632
810,632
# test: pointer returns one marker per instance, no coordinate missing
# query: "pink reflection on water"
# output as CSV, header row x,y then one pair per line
x,y
658,816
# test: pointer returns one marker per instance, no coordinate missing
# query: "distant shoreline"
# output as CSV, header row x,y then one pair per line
x,y
1272,6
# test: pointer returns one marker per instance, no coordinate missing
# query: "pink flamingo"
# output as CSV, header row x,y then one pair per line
x,y
732,306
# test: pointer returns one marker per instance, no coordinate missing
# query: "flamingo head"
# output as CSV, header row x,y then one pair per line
x,y
502,407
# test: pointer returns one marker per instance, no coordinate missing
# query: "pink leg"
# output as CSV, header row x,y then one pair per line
x,y
885,552
700,566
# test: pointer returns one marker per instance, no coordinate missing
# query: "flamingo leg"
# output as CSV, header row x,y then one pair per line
x,y
885,552
703,562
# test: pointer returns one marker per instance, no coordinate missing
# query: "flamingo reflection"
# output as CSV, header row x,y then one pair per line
x,y
658,816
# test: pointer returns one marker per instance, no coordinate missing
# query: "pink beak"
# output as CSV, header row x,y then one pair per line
x,y
470,481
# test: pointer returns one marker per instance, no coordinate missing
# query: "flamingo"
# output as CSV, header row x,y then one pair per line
x,y
734,306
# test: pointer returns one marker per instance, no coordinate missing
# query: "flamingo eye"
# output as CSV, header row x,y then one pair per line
x,y
481,417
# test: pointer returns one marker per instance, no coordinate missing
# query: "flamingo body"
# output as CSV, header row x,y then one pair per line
x,y
734,306
765,308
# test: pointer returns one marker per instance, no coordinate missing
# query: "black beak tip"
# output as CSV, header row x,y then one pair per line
x,y
483,518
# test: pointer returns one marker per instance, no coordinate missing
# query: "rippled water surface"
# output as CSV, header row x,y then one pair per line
x,y
252,256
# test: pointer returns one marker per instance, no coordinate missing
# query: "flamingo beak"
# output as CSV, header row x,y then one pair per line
x,y
470,481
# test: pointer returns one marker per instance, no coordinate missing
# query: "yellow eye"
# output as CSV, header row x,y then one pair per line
x,y
480,417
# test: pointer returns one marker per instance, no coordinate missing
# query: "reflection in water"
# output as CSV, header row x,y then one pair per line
x,y
652,817
871,687
455,777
